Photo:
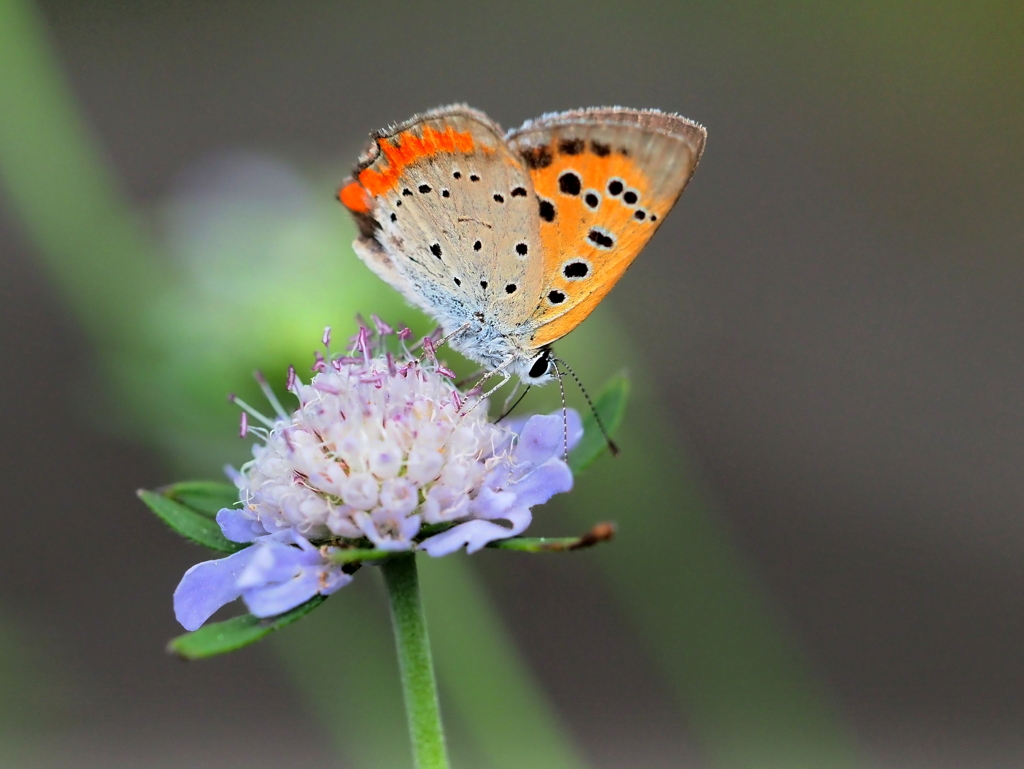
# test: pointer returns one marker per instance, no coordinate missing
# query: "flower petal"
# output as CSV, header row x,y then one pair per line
x,y
572,420
397,532
537,487
493,504
207,586
541,438
476,534
271,600
275,562
280,577
575,427
239,527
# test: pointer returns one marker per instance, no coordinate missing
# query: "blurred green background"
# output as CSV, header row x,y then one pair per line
x,y
819,499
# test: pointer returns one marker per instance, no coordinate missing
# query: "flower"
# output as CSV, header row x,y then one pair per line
x,y
377,449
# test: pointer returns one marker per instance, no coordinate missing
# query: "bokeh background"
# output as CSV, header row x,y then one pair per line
x,y
820,499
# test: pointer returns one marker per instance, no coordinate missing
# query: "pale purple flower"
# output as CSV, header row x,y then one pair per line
x,y
377,448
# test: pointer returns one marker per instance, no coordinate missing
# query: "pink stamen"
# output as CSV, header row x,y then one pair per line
x,y
445,371
243,429
382,327
405,333
363,342
428,347
372,377
290,381
321,365
326,338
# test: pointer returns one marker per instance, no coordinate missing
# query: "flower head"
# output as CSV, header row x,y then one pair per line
x,y
379,448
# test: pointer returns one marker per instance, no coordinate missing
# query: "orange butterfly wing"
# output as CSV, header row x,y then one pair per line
x,y
605,179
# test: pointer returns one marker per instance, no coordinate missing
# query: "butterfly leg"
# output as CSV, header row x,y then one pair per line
x,y
500,371
430,347
505,376
462,382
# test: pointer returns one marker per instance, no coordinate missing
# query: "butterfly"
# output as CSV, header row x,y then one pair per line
x,y
510,240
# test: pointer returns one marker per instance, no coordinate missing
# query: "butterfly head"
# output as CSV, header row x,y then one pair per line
x,y
539,369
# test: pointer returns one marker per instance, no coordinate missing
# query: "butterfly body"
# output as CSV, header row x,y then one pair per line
x,y
510,240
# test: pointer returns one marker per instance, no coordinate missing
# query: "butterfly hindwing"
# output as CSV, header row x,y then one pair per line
x,y
605,179
447,217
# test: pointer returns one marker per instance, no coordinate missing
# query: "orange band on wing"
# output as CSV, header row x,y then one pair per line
x,y
354,198
406,148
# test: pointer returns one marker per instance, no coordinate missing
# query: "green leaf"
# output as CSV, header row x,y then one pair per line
x,y
611,406
206,497
189,523
601,532
221,637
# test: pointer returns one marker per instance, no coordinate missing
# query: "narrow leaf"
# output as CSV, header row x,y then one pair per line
x,y
611,407
601,532
190,524
221,637
206,497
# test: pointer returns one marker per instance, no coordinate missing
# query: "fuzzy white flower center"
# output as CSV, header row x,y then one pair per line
x,y
373,449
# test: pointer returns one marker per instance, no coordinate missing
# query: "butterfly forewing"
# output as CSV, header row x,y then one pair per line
x,y
448,217
605,179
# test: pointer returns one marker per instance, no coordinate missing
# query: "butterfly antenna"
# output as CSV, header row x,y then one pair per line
x,y
612,447
565,412
512,408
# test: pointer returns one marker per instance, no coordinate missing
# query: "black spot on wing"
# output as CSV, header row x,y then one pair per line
x,y
600,239
576,270
537,157
547,210
435,249
498,197
571,146
511,288
477,246
555,296
522,249
569,183
519,192
599,149
424,188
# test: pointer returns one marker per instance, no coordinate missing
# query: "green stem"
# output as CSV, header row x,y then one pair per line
x,y
414,662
